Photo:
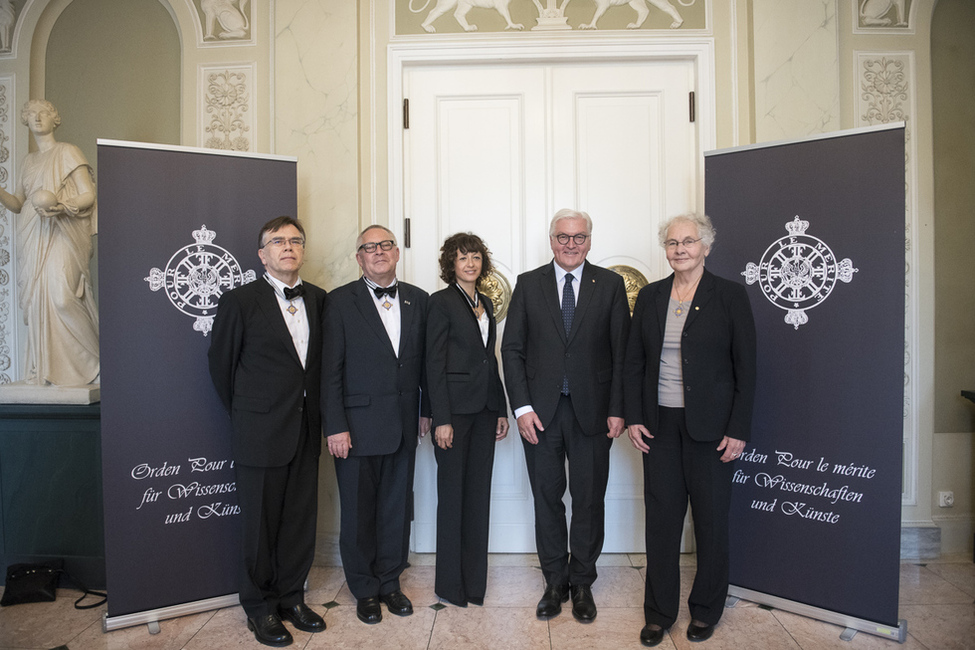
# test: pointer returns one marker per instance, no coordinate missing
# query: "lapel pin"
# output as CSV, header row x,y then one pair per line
x,y
406,302
697,309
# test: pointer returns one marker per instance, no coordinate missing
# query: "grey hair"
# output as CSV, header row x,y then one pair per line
x,y
358,241
701,221
568,213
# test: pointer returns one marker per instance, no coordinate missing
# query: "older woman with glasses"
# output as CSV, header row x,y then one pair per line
x,y
688,392
469,416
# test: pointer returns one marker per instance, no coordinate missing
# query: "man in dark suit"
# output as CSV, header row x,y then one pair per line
x,y
266,363
563,348
372,372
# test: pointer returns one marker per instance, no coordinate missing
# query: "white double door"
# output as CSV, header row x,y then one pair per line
x,y
497,150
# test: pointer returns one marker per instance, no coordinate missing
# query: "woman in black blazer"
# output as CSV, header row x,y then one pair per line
x,y
469,416
689,386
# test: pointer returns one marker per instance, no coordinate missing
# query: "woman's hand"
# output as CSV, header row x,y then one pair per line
x,y
501,431
636,433
732,449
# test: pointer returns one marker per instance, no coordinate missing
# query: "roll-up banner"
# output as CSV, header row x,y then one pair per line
x,y
815,230
178,227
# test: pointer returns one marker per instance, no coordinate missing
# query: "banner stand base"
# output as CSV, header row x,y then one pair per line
x,y
152,617
852,625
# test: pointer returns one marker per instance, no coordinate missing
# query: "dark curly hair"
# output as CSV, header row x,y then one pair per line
x,y
463,242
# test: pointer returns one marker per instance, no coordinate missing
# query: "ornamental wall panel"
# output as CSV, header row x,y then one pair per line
x,y
886,92
226,107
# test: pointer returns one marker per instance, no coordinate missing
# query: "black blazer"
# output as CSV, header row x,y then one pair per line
x,y
462,373
258,375
537,354
717,358
366,389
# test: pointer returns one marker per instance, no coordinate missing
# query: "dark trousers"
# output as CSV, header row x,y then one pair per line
x,y
678,467
568,556
279,508
464,507
376,501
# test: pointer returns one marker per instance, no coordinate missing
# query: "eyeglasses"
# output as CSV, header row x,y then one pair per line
x,y
672,244
278,242
579,238
386,245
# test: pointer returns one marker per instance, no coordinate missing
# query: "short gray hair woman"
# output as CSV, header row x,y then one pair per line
x,y
689,385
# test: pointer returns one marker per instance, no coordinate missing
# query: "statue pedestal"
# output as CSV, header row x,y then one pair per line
x,y
20,392
51,488
553,21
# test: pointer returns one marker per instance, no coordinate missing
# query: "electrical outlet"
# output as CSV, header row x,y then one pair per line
x,y
946,499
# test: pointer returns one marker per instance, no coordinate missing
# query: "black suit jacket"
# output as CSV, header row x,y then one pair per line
x,y
366,389
717,358
537,353
462,373
258,375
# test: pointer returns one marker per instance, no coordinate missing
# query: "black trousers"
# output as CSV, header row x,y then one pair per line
x,y
678,467
376,501
464,507
279,509
568,556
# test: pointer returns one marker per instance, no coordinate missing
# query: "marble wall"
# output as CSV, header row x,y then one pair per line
x,y
796,68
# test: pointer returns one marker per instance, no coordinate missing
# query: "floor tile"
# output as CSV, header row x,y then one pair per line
x,y
474,628
920,585
941,627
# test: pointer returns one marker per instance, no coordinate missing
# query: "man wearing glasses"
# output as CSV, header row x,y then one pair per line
x,y
563,348
266,364
372,375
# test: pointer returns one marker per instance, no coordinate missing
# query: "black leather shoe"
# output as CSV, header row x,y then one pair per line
x,y
697,632
397,603
651,635
270,631
303,618
583,606
368,610
551,603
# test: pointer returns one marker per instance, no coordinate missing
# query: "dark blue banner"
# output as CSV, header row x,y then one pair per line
x,y
178,227
815,229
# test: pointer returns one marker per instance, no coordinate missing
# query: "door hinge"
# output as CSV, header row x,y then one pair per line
x,y
406,113
406,232
690,98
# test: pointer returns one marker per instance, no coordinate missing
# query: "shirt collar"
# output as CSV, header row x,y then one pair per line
x,y
576,273
278,286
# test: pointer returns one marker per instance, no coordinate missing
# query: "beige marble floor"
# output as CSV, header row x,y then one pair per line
x,y
936,599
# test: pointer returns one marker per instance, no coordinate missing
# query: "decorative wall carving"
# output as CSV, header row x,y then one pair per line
x,y
226,118
225,21
496,287
456,16
8,19
886,94
6,227
633,280
883,16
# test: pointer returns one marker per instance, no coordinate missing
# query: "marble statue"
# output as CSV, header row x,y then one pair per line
x,y
55,199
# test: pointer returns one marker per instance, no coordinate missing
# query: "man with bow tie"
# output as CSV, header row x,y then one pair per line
x,y
373,397
266,364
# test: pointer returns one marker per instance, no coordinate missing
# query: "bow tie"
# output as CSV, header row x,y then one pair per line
x,y
391,291
297,292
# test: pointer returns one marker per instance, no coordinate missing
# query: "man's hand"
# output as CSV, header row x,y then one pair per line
x,y
339,444
636,433
615,426
444,436
527,425
425,425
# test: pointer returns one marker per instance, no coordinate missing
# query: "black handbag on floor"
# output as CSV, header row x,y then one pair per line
x,y
38,583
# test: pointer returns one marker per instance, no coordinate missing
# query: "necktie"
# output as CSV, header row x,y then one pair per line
x,y
297,292
568,311
379,291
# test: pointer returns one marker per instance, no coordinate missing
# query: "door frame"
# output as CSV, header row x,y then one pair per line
x,y
587,48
